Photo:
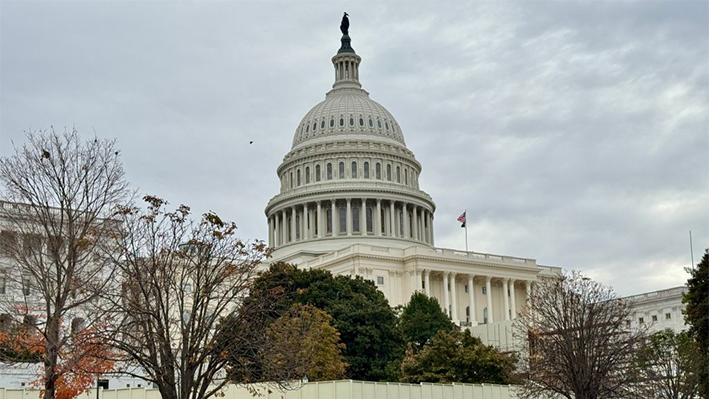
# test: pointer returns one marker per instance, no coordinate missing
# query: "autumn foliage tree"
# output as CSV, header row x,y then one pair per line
x,y
59,195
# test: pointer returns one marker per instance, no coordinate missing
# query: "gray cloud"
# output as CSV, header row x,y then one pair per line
x,y
575,133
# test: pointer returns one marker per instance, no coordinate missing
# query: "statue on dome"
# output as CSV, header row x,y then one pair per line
x,y
345,24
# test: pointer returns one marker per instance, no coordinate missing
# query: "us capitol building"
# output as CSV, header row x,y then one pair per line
x,y
350,203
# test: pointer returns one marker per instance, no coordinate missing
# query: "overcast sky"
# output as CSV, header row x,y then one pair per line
x,y
574,133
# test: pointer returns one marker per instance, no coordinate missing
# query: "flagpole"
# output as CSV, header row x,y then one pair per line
x,y
466,230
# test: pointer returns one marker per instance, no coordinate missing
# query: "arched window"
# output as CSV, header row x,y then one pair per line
x,y
298,174
317,172
329,221
379,123
406,176
401,223
371,124
485,316
291,179
342,170
354,169
307,174
343,220
467,313
355,219
322,124
361,121
398,174
389,172
351,121
342,122
383,220
366,170
332,122
378,171
315,126
306,128
329,171
386,124
369,220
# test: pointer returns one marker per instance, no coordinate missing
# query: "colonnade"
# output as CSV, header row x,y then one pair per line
x,y
450,296
350,217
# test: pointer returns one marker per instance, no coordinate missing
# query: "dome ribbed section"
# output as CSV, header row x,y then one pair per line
x,y
348,112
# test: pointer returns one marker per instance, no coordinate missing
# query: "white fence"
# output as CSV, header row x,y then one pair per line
x,y
346,389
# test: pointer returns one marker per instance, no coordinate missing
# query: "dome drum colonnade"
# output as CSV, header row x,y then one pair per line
x,y
349,172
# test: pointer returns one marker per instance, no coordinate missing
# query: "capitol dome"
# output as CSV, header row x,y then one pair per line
x,y
349,177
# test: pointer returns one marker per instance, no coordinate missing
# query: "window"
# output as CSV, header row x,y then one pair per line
x,y
423,283
379,123
467,313
351,121
380,280
361,121
389,172
398,174
366,170
298,174
355,219
406,177
466,288
668,316
343,220
188,287
306,128
329,221
449,286
329,171
26,286
307,174
342,122
378,171
332,122
317,172
369,220
31,244
641,320
354,170
291,179
386,124
322,125
342,170
315,126
370,122
8,240
77,325
297,227
3,285
654,317
484,290
485,316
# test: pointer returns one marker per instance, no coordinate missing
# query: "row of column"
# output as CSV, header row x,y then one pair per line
x,y
375,217
450,297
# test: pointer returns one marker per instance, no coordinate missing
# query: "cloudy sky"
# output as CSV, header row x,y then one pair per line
x,y
574,133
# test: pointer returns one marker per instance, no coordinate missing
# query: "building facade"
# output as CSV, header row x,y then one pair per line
x,y
350,202
658,310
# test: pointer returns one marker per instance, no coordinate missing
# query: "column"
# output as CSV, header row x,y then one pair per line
x,y
378,218
454,295
306,222
320,224
471,298
392,225
335,225
430,216
488,288
512,299
348,221
272,222
427,281
445,293
363,218
284,226
405,215
505,287
414,223
528,288
292,223
419,282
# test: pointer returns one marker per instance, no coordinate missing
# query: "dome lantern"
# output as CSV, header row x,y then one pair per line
x,y
346,61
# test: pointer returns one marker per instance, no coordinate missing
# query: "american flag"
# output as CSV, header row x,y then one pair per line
x,y
461,219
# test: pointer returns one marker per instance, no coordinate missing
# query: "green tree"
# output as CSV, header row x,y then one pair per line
x,y
422,318
697,316
668,363
304,341
455,356
360,312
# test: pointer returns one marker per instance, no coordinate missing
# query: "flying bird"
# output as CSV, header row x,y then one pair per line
x,y
251,142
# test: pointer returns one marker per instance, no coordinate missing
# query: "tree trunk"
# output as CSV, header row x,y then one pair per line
x,y
51,349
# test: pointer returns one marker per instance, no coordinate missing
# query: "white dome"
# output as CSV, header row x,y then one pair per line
x,y
346,112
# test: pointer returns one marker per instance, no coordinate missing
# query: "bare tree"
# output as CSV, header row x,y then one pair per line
x,y
59,193
576,342
181,279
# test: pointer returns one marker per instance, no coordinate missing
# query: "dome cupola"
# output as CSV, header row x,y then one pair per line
x,y
349,176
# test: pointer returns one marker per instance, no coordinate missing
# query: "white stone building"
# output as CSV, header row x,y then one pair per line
x,y
350,202
658,310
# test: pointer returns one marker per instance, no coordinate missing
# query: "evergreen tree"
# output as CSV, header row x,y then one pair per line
x,y
697,316
422,318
